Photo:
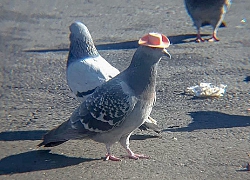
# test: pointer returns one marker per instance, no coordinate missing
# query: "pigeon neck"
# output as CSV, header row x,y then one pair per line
x,y
81,48
142,78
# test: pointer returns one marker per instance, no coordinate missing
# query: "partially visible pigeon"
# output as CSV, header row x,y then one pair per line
x,y
119,106
205,12
87,69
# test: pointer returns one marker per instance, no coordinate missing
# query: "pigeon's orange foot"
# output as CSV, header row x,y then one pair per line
x,y
112,158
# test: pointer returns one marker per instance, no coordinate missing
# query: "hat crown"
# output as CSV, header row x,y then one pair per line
x,y
154,40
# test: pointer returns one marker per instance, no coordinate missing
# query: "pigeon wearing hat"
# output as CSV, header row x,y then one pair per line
x,y
87,69
204,12
119,106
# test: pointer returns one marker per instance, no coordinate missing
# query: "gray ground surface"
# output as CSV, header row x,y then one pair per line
x,y
202,138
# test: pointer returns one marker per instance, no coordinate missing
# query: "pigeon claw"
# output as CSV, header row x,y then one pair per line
x,y
199,39
213,38
136,156
111,157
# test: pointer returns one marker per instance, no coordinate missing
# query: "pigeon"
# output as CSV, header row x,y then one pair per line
x,y
119,106
204,12
87,69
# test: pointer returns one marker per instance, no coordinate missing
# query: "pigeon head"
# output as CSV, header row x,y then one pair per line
x,y
152,48
81,42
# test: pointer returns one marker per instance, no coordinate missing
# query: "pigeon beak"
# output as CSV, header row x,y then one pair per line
x,y
166,53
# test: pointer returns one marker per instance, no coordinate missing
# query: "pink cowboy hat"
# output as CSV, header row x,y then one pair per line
x,y
154,40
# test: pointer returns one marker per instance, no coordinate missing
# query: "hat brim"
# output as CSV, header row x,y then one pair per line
x,y
164,44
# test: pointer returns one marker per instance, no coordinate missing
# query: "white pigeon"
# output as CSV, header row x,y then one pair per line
x,y
87,69
119,106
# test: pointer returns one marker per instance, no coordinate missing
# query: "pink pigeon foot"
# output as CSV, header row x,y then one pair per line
x,y
136,156
213,38
112,158
199,39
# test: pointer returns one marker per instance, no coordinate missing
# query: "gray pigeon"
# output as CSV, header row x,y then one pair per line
x,y
204,12
87,69
119,106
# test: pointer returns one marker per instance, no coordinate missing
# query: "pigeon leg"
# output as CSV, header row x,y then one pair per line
x,y
199,38
109,156
215,24
124,141
214,37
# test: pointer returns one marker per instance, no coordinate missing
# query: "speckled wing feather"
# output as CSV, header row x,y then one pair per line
x,y
106,108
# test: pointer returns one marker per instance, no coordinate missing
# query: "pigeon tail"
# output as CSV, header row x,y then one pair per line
x,y
61,134
150,123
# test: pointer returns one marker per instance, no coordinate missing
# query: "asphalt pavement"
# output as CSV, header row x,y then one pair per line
x,y
202,138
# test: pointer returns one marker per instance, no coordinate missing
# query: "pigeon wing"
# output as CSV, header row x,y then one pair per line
x,y
106,108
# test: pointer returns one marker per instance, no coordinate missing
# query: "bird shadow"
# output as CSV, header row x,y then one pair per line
x,y
175,39
247,79
143,137
184,38
213,120
38,135
37,160
22,135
